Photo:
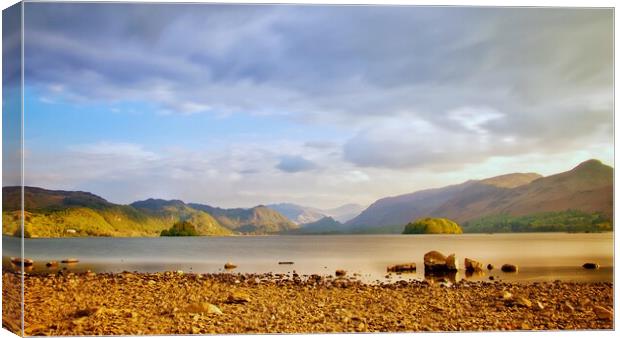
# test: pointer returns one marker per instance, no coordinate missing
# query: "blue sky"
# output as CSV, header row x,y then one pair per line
x,y
236,105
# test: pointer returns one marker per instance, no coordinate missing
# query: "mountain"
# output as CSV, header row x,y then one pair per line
x,y
296,213
257,220
587,188
172,211
325,225
38,198
57,213
345,212
303,215
400,210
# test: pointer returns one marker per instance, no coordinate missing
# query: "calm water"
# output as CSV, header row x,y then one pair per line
x,y
540,256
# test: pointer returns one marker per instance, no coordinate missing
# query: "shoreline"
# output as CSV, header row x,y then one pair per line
x,y
179,303
318,234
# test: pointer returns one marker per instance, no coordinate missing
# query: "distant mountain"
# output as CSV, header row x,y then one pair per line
x,y
296,213
325,225
56,213
400,210
257,220
304,215
580,199
344,213
587,188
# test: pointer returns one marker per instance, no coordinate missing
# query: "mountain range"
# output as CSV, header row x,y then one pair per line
x,y
304,215
587,189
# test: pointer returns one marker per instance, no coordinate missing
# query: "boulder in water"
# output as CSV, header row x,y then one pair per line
x,y
510,268
472,265
590,266
407,267
435,261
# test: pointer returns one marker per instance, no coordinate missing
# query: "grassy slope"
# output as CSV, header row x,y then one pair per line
x,y
52,213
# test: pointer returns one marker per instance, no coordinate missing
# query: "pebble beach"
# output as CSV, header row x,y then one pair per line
x,y
133,303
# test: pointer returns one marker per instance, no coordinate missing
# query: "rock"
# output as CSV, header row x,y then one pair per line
x,y
69,260
603,313
510,268
567,307
434,261
238,297
491,278
590,266
539,306
88,311
340,273
51,264
402,267
472,265
229,266
506,295
19,261
203,307
452,263
490,266
523,302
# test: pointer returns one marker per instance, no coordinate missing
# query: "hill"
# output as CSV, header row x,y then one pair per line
x,y
587,188
326,225
55,213
399,210
257,220
173,211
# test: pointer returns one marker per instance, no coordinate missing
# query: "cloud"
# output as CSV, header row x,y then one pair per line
x,y
376,92
295,164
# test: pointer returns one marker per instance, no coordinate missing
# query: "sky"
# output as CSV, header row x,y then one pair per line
x,y
240,105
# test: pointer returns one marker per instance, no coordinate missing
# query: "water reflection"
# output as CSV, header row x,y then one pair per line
x,y
442,277
474,273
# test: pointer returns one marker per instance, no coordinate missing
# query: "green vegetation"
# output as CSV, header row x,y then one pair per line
x,y
182,228
567,221
432,226
77,214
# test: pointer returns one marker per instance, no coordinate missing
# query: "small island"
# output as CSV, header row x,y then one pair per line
x,y
183,228
430,225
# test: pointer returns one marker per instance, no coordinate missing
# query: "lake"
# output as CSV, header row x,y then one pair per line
x,y
540,256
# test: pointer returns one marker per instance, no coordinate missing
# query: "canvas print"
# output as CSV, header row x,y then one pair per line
x,y
288,168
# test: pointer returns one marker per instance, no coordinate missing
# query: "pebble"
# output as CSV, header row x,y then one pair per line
x,y
281,305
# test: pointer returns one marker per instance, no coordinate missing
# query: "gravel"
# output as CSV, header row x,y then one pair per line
x,y
181,303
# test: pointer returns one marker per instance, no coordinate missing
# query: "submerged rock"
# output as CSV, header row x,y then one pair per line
x,y
407,267
472,265
69,260
591,266
510,268
435,261
19,261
